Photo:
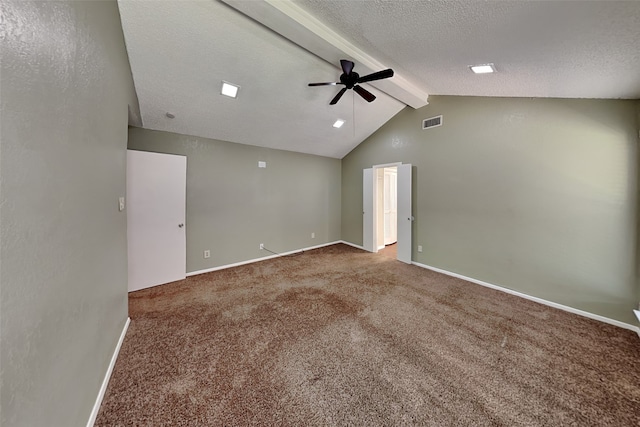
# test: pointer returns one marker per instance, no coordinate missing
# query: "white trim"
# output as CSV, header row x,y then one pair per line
x,y
386,165
532,298
351,244
107,376
251,261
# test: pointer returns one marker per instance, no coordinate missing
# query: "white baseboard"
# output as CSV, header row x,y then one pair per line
x,y
448,273
250,261
107,376
536,299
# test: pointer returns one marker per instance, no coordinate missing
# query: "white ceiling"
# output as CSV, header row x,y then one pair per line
x,y
180,51
546,49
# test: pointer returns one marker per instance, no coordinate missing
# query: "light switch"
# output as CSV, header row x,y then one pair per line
x,y
121,204
262,164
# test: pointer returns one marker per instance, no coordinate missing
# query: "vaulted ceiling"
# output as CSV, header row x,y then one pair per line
x,y
181,51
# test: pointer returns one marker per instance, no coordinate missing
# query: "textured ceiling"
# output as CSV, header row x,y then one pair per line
x,y
180,51
547,49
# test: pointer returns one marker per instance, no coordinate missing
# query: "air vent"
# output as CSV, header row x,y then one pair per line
x,y
432,122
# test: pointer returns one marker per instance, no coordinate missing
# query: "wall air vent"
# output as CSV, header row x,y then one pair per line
x,y
432,122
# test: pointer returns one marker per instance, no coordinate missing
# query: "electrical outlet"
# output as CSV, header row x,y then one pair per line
x,y
313,235
419,248
261,246
207,253
120,204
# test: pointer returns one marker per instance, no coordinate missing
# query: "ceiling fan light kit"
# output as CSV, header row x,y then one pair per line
x,y
350,79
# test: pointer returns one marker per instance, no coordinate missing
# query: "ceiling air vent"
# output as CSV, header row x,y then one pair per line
x,y
432,122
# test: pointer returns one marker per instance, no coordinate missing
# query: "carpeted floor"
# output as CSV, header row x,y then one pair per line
x,y
337,336
390,251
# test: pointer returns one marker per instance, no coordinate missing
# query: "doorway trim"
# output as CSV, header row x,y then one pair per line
x,y
386,165
369,223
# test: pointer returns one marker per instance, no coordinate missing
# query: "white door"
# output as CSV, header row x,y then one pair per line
x,y
405,219
368,211
156,193
390,207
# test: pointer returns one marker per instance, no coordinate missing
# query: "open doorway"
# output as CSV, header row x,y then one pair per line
x,y
387,211
387,219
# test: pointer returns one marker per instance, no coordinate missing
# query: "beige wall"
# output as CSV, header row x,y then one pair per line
x,y
65,86
536,195
233,206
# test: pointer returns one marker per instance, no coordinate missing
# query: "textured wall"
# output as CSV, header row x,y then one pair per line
x,y
233,206
536,195
65,85
638,214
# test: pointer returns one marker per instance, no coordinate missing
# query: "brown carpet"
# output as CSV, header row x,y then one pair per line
x,y
390,251
338,336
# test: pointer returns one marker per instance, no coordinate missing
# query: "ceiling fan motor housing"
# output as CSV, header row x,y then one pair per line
x,y
349,80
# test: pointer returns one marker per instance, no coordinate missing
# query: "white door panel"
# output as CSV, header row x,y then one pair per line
x,y
156,237
405,220
368,211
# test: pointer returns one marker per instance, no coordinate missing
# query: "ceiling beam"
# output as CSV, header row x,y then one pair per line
x,y
292,22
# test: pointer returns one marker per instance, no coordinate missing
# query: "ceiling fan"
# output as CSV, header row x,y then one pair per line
x,y
350,79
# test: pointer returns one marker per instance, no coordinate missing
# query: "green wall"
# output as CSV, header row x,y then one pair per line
x,y
535,195
66,85
638,217
233,206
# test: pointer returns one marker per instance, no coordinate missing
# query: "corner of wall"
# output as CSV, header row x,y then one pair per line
x,y
135,117
134,113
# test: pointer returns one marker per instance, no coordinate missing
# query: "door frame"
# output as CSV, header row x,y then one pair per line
x,y
389,203
369,222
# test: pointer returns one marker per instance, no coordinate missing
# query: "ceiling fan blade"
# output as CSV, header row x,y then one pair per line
x,y
325,84
368,96
338,96
347,66
384,74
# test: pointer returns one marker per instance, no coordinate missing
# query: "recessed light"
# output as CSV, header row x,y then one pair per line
x,y
229,89
483,68
338,123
